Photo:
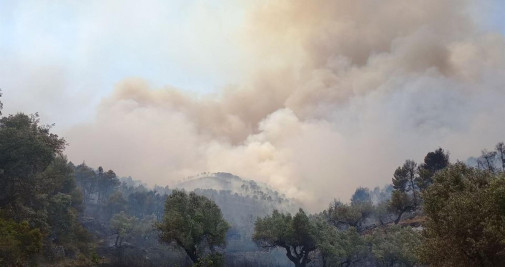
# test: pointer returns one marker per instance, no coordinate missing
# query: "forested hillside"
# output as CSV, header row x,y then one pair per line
x,y
57,213
252,133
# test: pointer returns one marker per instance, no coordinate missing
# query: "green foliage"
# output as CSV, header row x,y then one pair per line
x,y
19,243
433,162
405,196
96,185
106,182
86,179
123,225
339,247
404,180
211,260
26,150
37,186
395,245
361,195
297,235
382,212
345,215
193,222
404,175
400,203
465,225
116,203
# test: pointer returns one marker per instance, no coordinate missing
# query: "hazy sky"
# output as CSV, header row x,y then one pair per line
x,y
314,98
61,57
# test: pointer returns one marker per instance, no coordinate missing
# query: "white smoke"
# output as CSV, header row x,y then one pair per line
x,y
337,95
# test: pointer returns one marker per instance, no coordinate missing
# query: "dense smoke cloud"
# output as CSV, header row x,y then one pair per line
x,y
337,95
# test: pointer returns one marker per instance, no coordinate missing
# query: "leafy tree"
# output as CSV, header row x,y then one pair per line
x,y
399,204
327,241
297,235
500,150
59,216
211,260
37,185
404,179
361,195
87,180
26,149
122,225
141,203
487,160
106,182
116,203
433,162
339,248
19,243
382,212
465,210
194,223
395,245
349,215
404,196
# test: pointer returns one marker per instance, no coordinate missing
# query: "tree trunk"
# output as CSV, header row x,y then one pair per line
x,y
298,261
413,191
400,216
192,255
501,150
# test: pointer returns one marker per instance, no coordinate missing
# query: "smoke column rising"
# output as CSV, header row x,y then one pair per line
x,y
337,94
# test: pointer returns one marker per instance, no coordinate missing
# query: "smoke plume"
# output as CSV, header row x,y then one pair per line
x,y
337,94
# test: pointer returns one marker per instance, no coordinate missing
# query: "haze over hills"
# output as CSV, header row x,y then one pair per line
x,y
241,202
81,216
315,133
236,185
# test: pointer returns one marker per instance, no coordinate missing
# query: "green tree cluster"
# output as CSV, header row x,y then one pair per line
x,y
344,215
465,226
395,245
296,234
409,180
339,247
19,243
38,192
329,245
97,186
195,224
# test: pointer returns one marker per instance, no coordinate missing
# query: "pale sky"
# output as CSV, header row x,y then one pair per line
x,y
61,57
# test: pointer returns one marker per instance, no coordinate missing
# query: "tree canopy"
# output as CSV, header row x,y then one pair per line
x,y
433,162
194,223
339,247
465,209
39,201
296,234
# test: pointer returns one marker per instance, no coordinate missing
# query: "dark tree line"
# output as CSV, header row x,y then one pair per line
x,y
39,201
54,213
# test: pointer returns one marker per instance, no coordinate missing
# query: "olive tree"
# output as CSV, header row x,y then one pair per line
x,y
296,234
194,223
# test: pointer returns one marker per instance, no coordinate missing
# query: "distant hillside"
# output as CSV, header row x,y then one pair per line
x,y
242,201
222,181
